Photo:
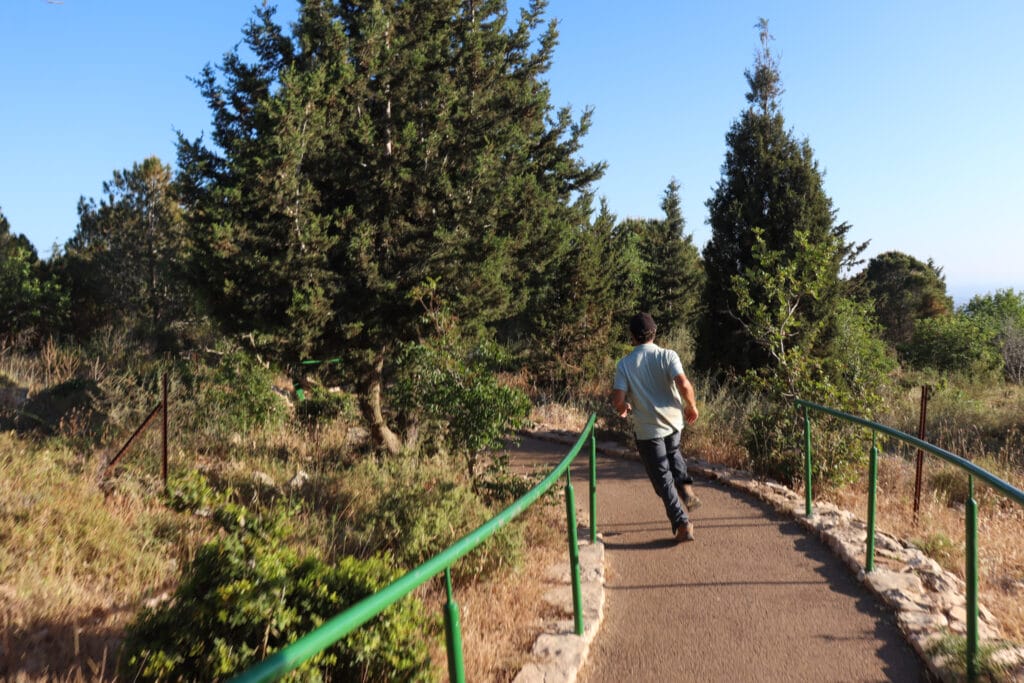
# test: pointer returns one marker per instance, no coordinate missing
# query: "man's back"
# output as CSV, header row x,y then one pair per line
x,y
647,375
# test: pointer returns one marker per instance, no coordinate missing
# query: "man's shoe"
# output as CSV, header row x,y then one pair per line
x,y
684,532
689,498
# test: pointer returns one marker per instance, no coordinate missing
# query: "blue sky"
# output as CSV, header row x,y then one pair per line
x,y
913,108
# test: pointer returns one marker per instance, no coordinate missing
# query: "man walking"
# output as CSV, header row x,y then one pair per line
x,y
650,384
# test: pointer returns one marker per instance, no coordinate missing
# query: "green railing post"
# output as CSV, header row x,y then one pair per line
x,y
807,463
574,556
453,634
593,487
872,502
971,575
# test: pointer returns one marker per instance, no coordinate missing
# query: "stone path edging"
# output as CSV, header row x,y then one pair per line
x,y
929,602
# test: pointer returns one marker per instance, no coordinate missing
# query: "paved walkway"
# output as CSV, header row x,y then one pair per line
x,y
752,599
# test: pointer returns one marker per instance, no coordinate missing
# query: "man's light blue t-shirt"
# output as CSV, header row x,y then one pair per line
x,y
647,375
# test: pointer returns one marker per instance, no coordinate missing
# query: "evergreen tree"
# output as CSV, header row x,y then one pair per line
x,y
771,191
582,325
31,302
379,147
125,263
903,290
673,275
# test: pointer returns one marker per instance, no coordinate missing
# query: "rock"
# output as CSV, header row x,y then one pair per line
x,y
299,481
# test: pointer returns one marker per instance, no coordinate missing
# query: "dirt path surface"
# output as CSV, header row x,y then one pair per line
x,y
753,598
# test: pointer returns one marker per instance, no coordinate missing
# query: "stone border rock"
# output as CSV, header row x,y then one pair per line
x,y
558,653
929,602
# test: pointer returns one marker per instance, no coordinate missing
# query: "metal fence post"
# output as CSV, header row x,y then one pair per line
x,y
163,467
807,463
593,486
574,556
453,633
872,502
971,576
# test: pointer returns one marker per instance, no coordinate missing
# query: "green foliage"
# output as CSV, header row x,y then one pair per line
x,y
233,396
1001,316
580,327
322,405
458,398
499,485
375,147
191,492
247,594
857,357
125,264
953,343
31,302
770,200
836,360
673,275
903,291
418,507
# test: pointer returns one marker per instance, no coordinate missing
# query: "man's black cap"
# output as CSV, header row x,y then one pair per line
x,y
642,325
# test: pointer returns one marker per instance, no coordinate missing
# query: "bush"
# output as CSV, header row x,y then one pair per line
x,y
419,508
953,343
247,594
458,398
323,405
233,396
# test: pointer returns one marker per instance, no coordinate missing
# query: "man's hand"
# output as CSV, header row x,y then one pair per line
x,y
689,397
619,402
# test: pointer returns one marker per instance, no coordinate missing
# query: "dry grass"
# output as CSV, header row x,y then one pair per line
x,y
76,565
503,616
939,531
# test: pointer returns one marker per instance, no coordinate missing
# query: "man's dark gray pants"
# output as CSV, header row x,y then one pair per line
x,y
665,468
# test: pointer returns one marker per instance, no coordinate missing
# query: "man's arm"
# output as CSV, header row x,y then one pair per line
x,y
689,398
619,402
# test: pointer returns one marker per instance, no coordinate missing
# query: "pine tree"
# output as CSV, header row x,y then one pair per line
x,y
31,302
769,201
673,279
124,264
903,290
582,324
379,147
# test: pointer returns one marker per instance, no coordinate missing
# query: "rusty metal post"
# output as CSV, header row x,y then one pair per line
x,y
131,440
920,454
164,467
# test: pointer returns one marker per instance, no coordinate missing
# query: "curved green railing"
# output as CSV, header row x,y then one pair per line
x,y
294,655
971,508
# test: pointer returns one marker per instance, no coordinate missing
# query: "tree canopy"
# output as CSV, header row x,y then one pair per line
x,y
903,290
126,262
769,203
378,147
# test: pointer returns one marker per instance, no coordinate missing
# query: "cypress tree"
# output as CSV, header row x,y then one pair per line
x,y
582,323
379,147
768,204
673,279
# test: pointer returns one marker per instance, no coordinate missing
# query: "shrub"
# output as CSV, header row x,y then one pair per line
x,y
322,405
419,508
247,594
233,396
953,343
459,398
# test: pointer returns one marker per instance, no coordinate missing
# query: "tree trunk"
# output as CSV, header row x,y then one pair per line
x,y
371,405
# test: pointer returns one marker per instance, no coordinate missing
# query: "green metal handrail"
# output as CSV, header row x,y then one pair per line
x,y
971,511
294,655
